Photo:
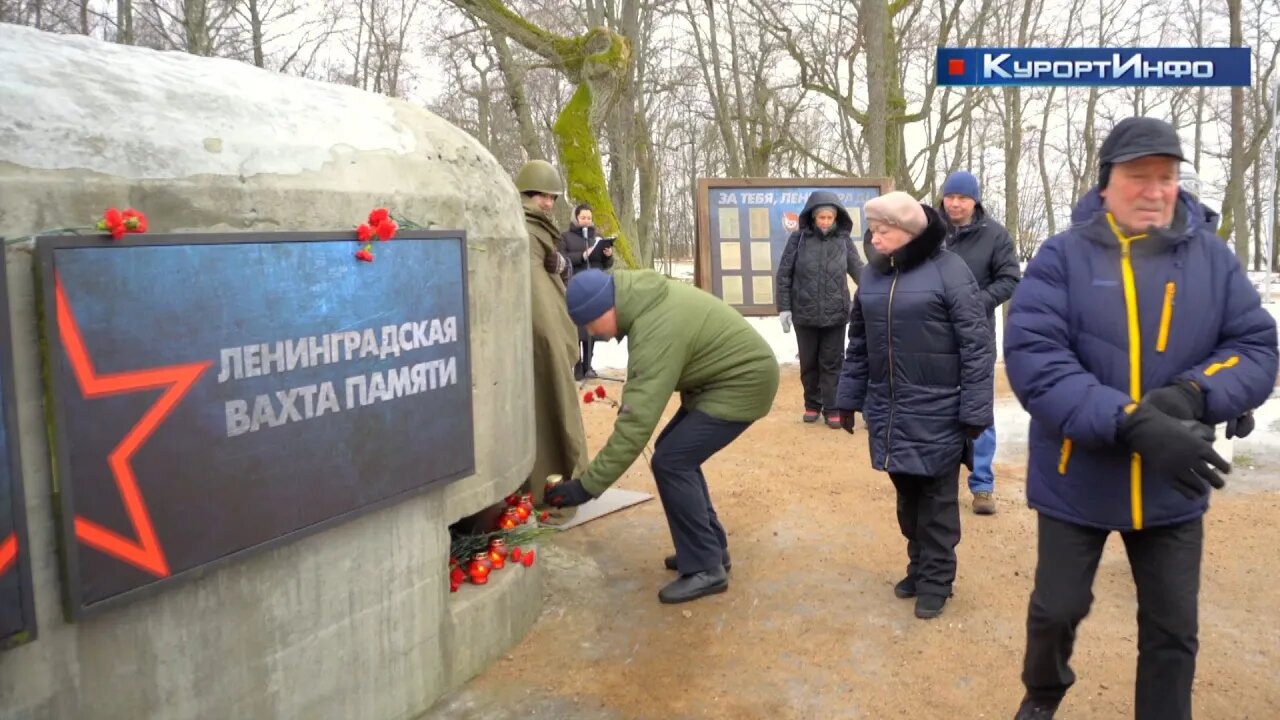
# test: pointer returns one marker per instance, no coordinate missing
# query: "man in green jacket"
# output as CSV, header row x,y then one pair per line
x,y
679,338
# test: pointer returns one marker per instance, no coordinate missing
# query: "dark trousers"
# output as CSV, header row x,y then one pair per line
x,y
683,445
1165,562
821,356
929,517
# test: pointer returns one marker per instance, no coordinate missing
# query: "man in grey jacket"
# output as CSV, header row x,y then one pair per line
x,y
985,246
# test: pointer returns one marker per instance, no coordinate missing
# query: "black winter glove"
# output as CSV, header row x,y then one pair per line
x,y
568,494
1241,426
847,420
973,431
1181,448
1181,400
553,263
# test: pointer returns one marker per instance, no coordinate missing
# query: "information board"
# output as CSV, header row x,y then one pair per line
x,y
743,226
214,395
17,609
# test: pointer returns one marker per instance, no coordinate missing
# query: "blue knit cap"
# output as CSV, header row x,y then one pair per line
x,y
589,295
964,183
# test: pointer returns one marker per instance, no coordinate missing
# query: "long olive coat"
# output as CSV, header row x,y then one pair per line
x,y
561,439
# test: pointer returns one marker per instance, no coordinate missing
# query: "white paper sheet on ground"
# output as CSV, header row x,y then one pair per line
x,y
611,501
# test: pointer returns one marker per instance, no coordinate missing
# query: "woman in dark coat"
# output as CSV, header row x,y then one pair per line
x,y
813,294
919,368
575,244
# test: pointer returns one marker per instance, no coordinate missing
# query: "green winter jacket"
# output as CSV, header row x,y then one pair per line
x,y
680,338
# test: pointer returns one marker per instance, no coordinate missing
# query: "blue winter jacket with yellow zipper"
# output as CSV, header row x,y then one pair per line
x,y
1098,320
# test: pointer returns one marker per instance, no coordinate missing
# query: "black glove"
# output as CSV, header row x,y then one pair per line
x,y
1241,426
568,494
553,263
973,431
1181,400
846,420
1181,448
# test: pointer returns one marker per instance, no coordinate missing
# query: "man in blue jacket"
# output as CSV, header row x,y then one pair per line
x,y
1130,335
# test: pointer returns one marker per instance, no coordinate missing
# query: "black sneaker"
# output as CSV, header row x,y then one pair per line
x,y
906,588
929,606
692,587
1035,710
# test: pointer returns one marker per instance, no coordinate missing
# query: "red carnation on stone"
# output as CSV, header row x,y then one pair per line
x,y
377,215
364,233
600,391
364,256
516,552
589,397
386,229
527,560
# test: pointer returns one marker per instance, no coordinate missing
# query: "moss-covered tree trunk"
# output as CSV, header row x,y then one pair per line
x,y
599,63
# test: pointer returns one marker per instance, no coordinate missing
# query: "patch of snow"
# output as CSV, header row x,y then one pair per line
x,y
173,115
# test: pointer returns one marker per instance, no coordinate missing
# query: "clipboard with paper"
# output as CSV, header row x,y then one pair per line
x,y
596,252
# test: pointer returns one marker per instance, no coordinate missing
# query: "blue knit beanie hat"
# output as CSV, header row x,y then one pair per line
x,y
589,295
964,183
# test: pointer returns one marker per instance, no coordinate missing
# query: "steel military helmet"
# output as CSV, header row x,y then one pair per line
x,y
539,176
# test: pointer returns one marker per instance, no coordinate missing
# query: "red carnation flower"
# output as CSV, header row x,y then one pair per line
x,y
600,391
516,552
378,215
386,229
364,233
364,256
112,217
589,397
527,560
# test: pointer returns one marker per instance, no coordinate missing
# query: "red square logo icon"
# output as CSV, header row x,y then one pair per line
x,y
955,66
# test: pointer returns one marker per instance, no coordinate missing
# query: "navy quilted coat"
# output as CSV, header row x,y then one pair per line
x,y
1098,320
920,357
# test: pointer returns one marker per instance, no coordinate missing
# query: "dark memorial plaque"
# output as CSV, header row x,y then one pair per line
x,y
17,608
217,394
743,226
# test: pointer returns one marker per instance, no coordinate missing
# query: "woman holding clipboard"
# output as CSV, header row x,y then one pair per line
x,y
585,248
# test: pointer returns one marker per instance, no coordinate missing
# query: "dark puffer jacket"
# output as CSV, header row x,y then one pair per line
x,y
985,246
920,358
573,242
811,274
1101,319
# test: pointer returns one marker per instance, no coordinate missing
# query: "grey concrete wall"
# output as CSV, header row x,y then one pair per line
x,y
356,622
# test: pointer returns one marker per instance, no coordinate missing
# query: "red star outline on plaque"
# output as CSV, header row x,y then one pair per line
x,y
8,552
143,550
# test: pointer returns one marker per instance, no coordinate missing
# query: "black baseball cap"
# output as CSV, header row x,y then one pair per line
x,y
1136,137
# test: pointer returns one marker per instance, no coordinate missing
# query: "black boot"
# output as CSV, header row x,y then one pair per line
x,y
929,606
1033,710
670,562
692,587
906,588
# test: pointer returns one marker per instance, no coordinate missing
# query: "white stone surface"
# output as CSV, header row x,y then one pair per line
x,y
146,114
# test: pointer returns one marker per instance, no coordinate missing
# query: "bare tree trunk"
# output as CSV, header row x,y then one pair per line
x,y
124,22
1259,242
1234,216
1044,169
513,80
714,79
255,29
875,23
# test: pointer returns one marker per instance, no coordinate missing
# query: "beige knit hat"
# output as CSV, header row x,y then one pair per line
x,y
897,208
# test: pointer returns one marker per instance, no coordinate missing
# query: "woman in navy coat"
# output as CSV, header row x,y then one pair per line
x,y
918,366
